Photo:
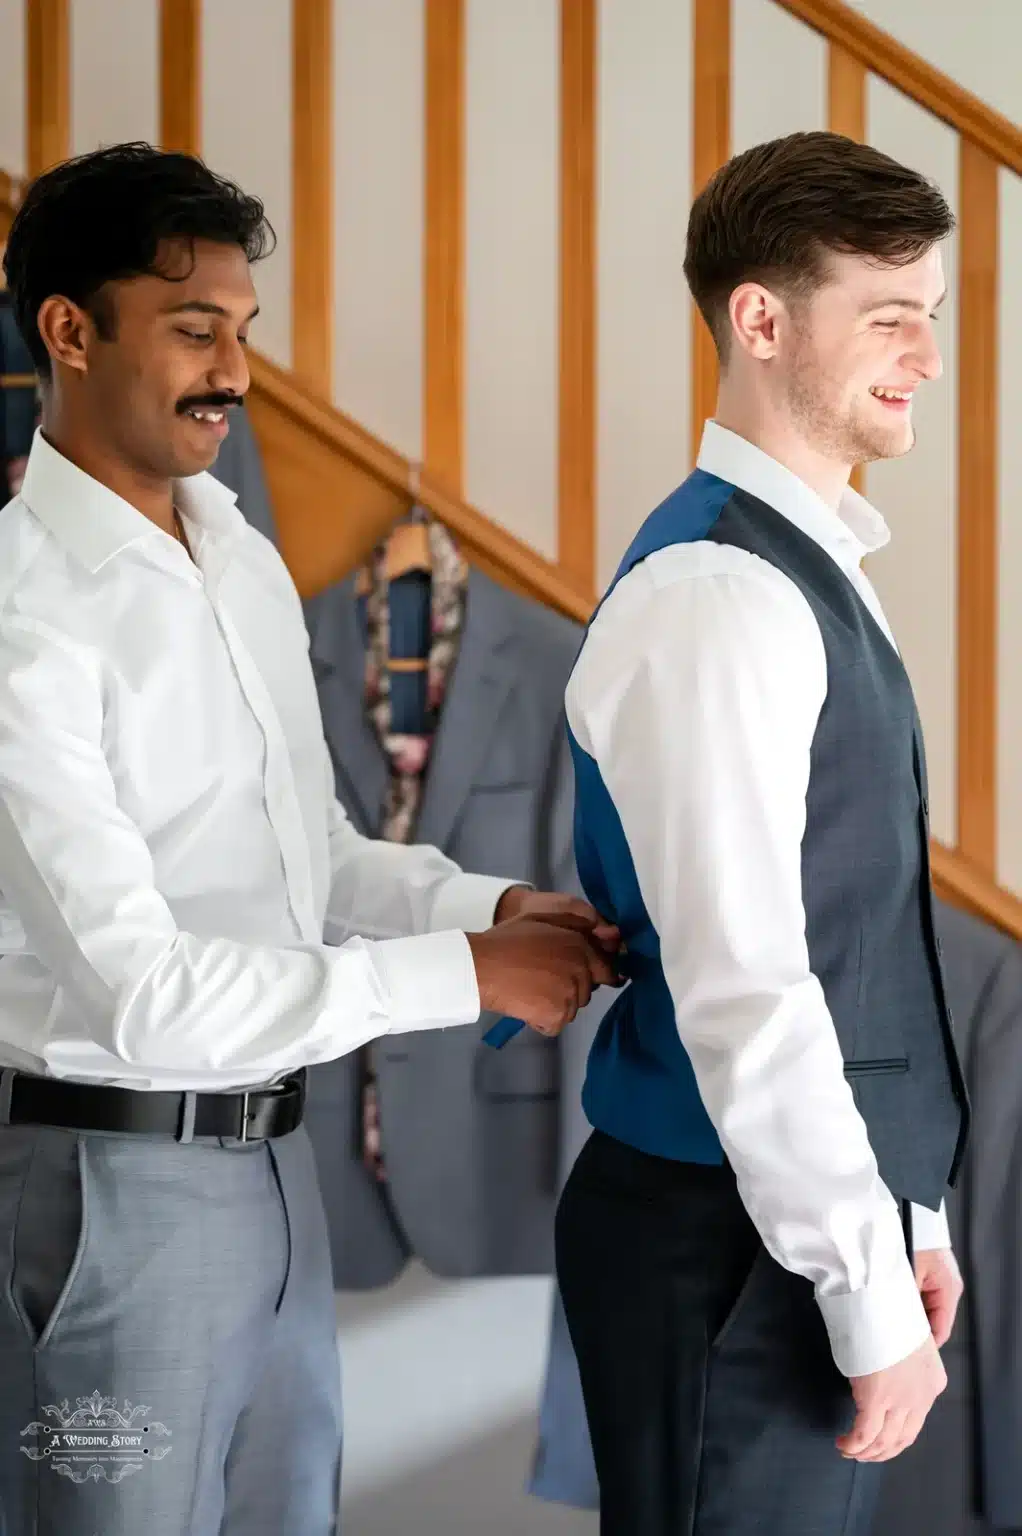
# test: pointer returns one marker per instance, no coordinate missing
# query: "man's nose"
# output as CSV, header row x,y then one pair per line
x,y
230,367
926,354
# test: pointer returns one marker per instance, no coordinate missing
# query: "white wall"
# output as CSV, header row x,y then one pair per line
x,y
114,72
246,133
512,156
643,322
976,42
378,102
12,86
511,255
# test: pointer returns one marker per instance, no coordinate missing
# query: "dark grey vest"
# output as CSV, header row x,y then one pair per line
x,y
865,881
866,872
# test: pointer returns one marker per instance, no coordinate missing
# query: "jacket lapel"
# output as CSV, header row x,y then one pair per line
x,y
338,658
483,676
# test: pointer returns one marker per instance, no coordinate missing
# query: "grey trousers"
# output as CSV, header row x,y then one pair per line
x,y
168,1347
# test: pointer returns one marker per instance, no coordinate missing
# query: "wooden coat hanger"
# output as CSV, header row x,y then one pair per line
x,y
408,549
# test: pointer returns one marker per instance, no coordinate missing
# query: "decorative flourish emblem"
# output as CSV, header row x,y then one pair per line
x,y
96,1440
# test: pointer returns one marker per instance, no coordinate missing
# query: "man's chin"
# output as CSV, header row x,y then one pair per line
x,y
892,444
191,458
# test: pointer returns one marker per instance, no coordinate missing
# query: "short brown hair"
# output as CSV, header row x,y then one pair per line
x,y
771,215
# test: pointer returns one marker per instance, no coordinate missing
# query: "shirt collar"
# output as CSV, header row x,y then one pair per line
x,y
856,529
94,524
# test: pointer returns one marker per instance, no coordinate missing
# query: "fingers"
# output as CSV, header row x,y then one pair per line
x,y
896,1432
910,1430
579,922
888,1442
899,1432
869,1423
583,984
577,990
603,968
555,908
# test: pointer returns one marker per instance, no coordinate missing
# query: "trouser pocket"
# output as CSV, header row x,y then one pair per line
x,y
49,1231
732,1300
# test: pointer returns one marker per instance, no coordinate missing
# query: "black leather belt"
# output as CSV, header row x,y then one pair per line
x,y
253,1116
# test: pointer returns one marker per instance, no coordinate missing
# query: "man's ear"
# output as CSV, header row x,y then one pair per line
x,y
754,311
66,331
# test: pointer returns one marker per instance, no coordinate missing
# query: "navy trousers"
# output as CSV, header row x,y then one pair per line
x,y
711,1394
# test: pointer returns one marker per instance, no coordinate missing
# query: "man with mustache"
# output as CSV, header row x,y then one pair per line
x,y
188,919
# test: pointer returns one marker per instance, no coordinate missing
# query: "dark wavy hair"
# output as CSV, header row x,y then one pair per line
x,y
772,214
105,216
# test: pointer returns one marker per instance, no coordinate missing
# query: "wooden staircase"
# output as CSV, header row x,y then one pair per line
x,y
336,487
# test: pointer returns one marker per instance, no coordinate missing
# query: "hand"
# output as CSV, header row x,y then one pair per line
x,y
556,907
892,1405
940,1285
542,972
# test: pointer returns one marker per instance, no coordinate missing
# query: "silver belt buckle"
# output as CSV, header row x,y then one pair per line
x,y
244,1116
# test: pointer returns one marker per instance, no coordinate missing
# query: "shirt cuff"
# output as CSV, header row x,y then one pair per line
x,y
930,1228
878,1326
469,902
429,981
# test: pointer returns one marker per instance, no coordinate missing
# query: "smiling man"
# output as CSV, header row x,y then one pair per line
x,y
776,1098
187,918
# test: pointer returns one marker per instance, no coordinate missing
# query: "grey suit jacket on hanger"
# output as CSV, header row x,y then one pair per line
x,y
471,1136
963,1477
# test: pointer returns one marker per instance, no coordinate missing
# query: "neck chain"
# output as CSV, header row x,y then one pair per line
x,y
179,532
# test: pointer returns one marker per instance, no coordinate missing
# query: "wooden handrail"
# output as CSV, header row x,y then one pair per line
x,y
962,884
484,541
899,66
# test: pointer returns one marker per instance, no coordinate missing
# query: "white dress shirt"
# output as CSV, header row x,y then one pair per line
x,y
698,694
172,854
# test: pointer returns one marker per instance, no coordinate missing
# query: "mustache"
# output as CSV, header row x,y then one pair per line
x,y
216,400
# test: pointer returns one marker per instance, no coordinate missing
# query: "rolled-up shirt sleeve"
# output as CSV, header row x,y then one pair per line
x,y
698,697
79,874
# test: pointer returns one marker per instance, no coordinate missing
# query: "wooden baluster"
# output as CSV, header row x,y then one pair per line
x,y
846,113
48,98
312,294
977,505
181,75
576,516
443,339
711,140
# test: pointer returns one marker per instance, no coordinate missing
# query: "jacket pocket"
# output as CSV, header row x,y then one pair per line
x,y
528,1069
880,1066
50,1233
